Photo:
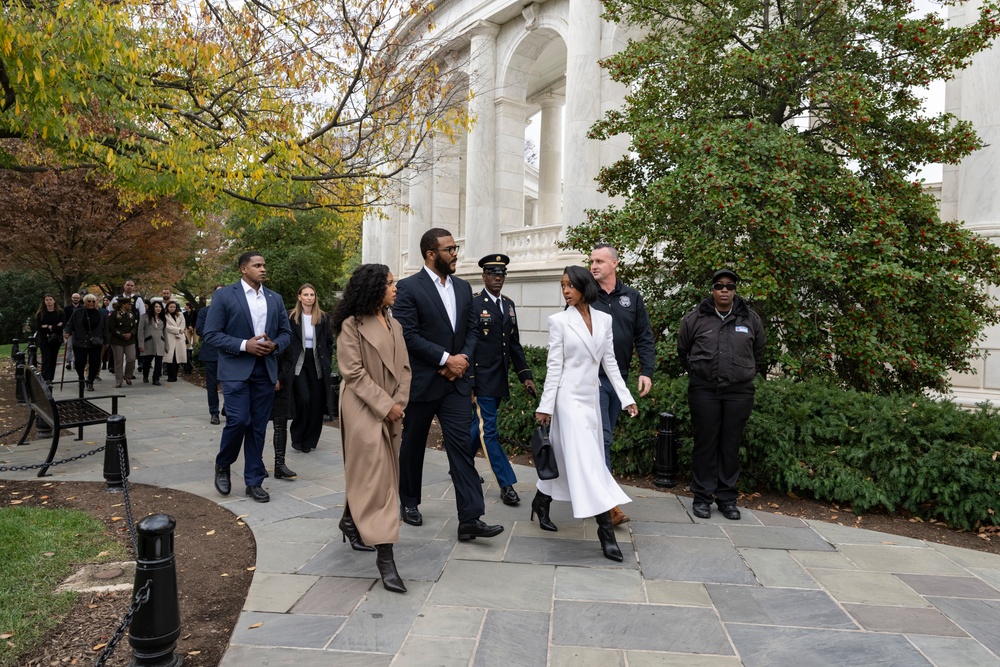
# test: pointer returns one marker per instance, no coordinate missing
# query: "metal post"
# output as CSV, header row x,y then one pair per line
x,y
113,444
156,625
665,468
14,348
32,353
19,378
334,395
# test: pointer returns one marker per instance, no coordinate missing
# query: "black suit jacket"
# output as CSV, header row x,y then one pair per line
x,y
499,345
428,334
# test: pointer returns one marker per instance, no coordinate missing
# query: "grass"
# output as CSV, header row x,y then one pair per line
x,y
5,351
39,548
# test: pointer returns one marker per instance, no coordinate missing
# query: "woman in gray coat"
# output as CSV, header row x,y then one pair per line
x,y
153,341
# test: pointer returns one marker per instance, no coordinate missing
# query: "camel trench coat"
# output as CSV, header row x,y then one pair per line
x,y
375,368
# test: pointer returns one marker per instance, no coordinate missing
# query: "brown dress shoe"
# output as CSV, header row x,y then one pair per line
x,y
618,517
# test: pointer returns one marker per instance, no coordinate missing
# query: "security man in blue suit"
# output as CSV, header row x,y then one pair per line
x,y
499,344
248,325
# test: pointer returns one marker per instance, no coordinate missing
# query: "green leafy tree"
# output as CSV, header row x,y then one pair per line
x,y
23,291
778,138
305,247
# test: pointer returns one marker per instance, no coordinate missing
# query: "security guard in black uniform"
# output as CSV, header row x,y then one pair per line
x,y
499,345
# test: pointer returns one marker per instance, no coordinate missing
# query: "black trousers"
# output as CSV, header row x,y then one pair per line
x,y
455,416
717,422
310,402
91,356
156,362
50,357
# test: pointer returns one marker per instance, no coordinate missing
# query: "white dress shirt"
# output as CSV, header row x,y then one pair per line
x,y
447,294
258,310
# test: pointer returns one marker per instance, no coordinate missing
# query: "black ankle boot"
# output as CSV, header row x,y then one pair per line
x,y
606,534
350,531
281,471
387,569
540,506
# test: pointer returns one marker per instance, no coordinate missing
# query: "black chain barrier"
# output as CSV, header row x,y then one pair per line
x,y
141,598
35,466
126,487
13,430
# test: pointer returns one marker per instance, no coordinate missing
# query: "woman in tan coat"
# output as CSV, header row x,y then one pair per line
x,y
176,353
376,385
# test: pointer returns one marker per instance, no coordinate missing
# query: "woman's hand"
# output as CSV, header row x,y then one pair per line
x,y
543,419
632,410
395,413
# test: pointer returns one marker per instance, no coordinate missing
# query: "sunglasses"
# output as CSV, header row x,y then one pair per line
x,y
718,287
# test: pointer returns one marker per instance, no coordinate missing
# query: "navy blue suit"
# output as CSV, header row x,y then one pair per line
x,y
247,380
209,356
428,334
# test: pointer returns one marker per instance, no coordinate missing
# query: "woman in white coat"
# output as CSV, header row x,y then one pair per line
x,y
580,342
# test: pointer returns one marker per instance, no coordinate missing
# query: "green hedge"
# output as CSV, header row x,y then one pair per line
x,y
904,452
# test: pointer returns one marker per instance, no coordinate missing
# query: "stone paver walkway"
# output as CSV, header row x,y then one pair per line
x,y
767,590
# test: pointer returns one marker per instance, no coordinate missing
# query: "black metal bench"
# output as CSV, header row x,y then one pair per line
x,y
60,413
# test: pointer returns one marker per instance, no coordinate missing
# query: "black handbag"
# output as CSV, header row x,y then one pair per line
x,y
541,452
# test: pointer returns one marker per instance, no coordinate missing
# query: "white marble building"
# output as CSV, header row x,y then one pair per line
x,y
533,68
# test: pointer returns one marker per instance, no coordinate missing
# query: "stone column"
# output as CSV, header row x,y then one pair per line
x,y
511,118
421,207
550,161
583,108
482,232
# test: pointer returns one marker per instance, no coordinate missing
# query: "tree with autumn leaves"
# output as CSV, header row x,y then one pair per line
x,y
779,138
294,105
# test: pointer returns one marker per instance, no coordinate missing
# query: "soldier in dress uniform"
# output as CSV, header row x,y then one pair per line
x,y
499,345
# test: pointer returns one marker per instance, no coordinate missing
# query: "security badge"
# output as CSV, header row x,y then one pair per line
x,y
742,330
625,301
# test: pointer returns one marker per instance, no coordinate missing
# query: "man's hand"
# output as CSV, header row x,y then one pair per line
x,y
448,375
259,346
645,384
529,386
457,364
395,413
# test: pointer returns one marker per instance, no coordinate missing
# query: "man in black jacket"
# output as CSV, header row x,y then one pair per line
x,y
630,325
721,345
499,344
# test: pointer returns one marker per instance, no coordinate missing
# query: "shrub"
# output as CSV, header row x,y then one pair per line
x,y
902,452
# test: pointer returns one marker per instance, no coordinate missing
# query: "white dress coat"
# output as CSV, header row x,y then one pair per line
x,y
572,396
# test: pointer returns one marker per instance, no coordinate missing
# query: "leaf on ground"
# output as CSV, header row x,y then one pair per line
x,y
16,502
255,625
242,516
98,647
7,635
887,542
91,442
211,532
252,568
116,518
49,554
224,574
194,652
71,498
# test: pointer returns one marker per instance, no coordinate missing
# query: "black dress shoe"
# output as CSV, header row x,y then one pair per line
x,y
258,494
411,515
730,511
470,530
222,483
215,419
156,383
702,510
509,496
90,386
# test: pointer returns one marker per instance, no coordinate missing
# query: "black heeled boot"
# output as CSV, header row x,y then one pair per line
x,y
281,471
350,531
606,534
540,506
387,569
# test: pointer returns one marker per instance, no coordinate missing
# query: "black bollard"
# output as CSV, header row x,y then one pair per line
x,y
333,399
19,378
32,359
14,348
116,442
665,468
157,624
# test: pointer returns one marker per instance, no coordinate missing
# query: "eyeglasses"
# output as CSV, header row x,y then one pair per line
x,y
452,249
718,287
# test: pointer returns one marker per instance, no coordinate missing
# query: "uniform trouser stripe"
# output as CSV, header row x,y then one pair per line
x,y
482,437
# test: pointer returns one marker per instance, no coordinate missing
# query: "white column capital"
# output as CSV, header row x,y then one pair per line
x,y
550,100
483,29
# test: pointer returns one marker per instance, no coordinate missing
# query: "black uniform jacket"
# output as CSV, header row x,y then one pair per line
x,y
721,353
499,344
630,326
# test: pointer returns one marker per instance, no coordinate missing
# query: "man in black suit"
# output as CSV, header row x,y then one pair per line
x,y
499,345
434,310
209,355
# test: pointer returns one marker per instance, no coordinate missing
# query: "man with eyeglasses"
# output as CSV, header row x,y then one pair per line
x,y
631,329
499,346
434,310
721,345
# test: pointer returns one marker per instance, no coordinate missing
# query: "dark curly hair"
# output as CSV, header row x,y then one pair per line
x,y
363,294
583,281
